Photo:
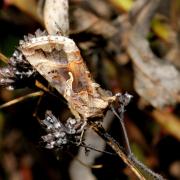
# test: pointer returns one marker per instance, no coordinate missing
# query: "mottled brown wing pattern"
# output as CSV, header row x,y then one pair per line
x,y
58,60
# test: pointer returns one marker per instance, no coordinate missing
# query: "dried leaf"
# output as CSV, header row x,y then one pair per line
x,y
156,80
28,7
169,122
56,16
174,54
100,7
86,21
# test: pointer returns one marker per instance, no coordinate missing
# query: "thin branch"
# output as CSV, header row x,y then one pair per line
x,y
136,9
94,149
3,58
116,147
141,171
144,18
123,128
22,98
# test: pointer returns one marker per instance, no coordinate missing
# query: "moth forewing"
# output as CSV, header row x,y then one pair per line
x,y
68,74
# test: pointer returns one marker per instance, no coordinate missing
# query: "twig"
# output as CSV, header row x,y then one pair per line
x,y
3,58
22,98
136,9
144,18
94,149
116,147
141,171
121,119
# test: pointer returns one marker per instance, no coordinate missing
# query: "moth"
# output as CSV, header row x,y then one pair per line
x,y
58,60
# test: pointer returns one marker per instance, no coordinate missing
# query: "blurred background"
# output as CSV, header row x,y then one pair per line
x,y
103,30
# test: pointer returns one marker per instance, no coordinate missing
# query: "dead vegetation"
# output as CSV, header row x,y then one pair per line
x,y
128,46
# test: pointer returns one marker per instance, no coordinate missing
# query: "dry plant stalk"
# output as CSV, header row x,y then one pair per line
x,y
56,16
139,169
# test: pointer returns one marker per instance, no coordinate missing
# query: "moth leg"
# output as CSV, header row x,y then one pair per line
x,y
82,131
81,138
76,128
